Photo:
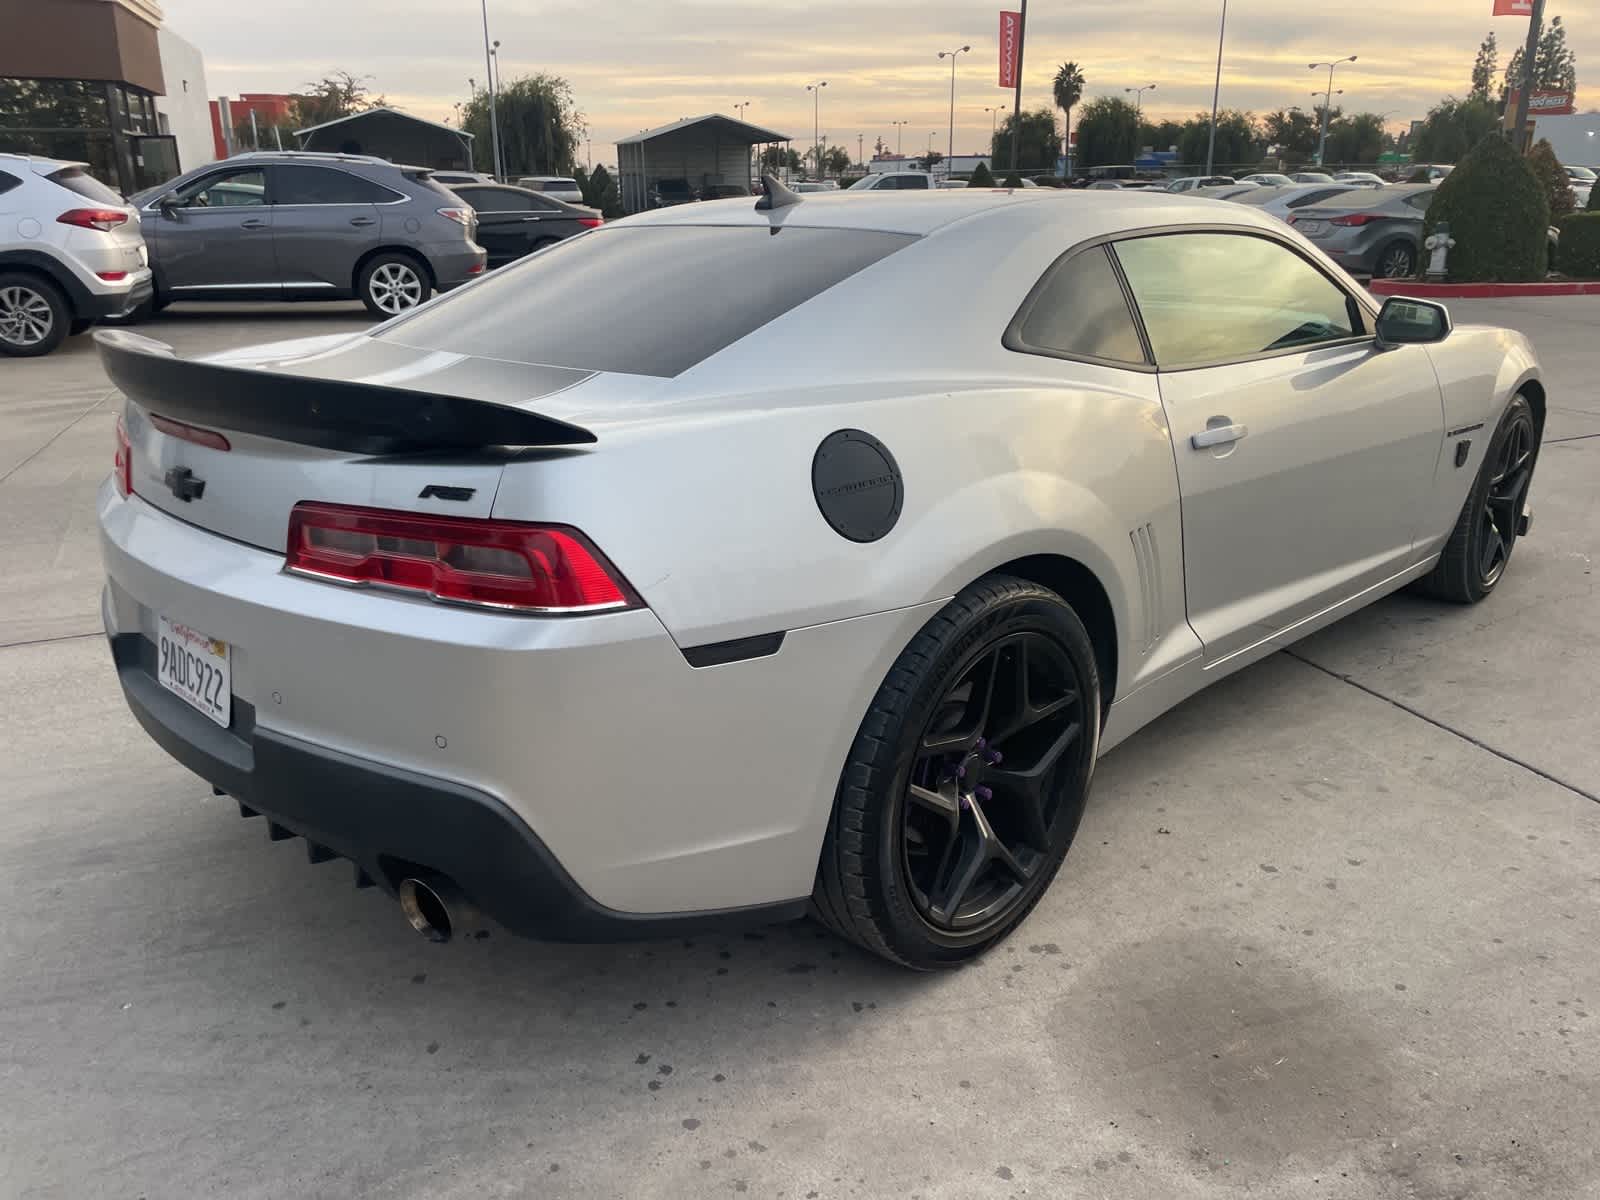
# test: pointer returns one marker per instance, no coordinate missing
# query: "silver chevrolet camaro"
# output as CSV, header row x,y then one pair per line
x,y
752,557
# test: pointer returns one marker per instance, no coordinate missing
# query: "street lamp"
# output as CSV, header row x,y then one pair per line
x,y
1138,97
994,119
900,128
816,115
1322,142
951,55
488,66
741,107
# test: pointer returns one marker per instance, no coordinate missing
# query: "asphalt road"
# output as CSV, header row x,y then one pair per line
x,y
1329,929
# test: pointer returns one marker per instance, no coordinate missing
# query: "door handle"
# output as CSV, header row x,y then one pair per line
x,y
253,223
363,220
1217,435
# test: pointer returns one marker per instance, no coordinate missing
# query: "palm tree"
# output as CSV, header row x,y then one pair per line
x,y
1068,90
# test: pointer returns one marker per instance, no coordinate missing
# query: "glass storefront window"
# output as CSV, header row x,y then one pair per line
x,y
53,104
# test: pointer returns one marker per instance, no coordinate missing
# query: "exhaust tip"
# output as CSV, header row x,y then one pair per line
x,y
426,909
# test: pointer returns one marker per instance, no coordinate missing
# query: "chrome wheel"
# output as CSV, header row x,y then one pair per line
x,y
1503,502
395,287
26,318
1397,262
985,804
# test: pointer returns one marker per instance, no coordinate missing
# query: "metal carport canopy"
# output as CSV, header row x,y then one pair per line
x,y
712,149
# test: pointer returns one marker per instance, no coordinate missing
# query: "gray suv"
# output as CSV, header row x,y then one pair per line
x,y
290,225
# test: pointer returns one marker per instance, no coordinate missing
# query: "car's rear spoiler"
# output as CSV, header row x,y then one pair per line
x,y
360,418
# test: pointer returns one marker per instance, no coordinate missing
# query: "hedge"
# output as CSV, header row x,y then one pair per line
x,y
1557,187
1579,255
1498,214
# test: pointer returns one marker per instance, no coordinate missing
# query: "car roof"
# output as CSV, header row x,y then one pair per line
x,y
1376,197
40,165
1094,213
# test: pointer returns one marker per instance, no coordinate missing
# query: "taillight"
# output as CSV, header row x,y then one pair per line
x,y
112,276
209,438
1356,219
122,464
103,219
591,222
458,560
461,216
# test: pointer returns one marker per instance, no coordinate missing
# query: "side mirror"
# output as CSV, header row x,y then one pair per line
x,y
1406,322
168,205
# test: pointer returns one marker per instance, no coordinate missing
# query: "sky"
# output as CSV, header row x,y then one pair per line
x,y
635,64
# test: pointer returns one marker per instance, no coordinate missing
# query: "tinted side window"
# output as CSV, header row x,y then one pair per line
x,y
230,189
1221,297
1080,310
7,182
1420,201
321,185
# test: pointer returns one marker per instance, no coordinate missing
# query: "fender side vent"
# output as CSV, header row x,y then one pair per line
x,y
714,654
1147,555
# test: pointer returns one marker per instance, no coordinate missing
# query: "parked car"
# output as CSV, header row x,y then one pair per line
x,y
1267,179
71,253
1107,185
723,191
1191,182
1583,180
893,181
1281,201
1364,178
562,187
1226,191
514,221
451,178
1370,233
813,185
295,225
1311,177
667,193
485,676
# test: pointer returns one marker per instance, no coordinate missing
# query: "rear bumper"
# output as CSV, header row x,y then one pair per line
x,y
93,305
390,821
456,262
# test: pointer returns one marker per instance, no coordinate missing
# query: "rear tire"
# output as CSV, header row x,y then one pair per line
x,y
964,787
392,283
1397,260
1475,558
34,316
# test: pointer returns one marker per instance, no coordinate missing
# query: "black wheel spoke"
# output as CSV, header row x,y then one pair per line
x,y
946,902
964,736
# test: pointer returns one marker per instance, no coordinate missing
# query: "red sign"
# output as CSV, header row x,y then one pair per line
x,y
1513,8
1010,44
1543,103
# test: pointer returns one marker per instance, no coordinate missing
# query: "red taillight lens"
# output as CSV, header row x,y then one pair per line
x,y
112,276
492,564
591,222
1356,219
122,464
103,219
461,216
190,433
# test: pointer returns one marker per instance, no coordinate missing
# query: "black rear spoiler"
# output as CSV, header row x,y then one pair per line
x,y
360,418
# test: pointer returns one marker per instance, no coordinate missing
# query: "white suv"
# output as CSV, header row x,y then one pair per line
x,y
893,181
70,253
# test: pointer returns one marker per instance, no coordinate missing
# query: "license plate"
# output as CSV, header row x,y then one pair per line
x,y
194,668
1310,227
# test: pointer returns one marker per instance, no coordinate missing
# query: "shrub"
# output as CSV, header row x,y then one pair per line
x,y
1558,188
1013,180
1420,175
1580,245
1498,214
981,177
1594,198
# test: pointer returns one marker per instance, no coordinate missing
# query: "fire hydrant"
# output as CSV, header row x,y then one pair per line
x,y
1440,243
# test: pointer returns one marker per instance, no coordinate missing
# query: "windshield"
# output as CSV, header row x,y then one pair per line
x,y
1583,173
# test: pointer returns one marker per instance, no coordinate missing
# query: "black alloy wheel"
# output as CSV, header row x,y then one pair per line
x,y
1511,473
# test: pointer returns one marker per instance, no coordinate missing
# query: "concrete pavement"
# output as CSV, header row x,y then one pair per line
x,y
1329,929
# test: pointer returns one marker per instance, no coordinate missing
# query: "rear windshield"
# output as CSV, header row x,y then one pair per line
x,y
651,300
74,179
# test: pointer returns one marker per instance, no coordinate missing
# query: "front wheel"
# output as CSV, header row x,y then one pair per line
x,y
391,284
1475,558
966,781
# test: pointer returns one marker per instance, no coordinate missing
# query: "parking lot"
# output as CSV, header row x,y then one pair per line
x,y
1328,929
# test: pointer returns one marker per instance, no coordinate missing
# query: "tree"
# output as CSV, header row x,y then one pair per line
x,y
1108,132
334,96
780,158
1557,187
1555,66
1067,89
1484,68
1013,180
1293,131
1453,127
540,127
1357,139
836,160
982,177
1036,143
1160,135
1498,214
1238,140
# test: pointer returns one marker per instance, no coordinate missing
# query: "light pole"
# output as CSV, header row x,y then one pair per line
x,y
1138,97
741,107
1216,88
488,66
899,132
994,121
816,116
1322,142
860,150
951,55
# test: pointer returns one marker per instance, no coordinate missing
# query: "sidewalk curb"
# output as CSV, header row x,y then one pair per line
x,y
1483,291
